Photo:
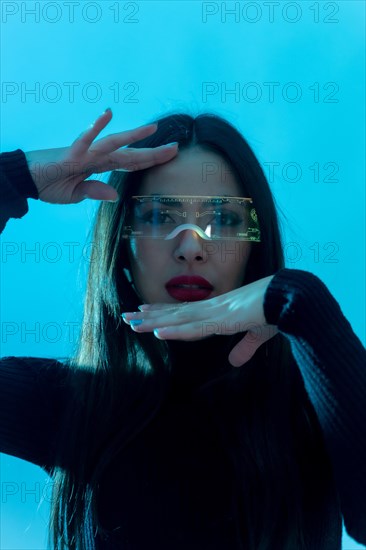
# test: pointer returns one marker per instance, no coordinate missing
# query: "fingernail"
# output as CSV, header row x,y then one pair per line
x,y
136,322
171,144
108,109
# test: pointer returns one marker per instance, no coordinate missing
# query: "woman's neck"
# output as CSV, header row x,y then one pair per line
x,y
198,362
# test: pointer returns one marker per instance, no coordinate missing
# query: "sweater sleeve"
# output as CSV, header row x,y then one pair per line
x,y
16,185
33,397
332,361
32,390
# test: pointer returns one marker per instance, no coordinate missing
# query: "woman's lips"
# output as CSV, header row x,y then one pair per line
x,y
189,288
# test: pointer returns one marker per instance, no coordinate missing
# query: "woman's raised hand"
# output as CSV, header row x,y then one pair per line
x,y
240,310
60,174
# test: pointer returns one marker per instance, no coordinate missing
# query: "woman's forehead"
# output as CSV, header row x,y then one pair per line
x,y
193,172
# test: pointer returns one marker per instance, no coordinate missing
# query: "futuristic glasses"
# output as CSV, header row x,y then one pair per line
x,y
211,217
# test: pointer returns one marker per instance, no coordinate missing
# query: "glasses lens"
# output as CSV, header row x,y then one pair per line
x,y
218,217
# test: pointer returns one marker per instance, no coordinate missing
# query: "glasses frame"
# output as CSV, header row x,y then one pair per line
x,y
191,199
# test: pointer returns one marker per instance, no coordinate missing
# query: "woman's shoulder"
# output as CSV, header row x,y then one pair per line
x,y
37,373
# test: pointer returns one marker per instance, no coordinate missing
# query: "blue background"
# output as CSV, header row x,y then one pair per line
x,y
143,59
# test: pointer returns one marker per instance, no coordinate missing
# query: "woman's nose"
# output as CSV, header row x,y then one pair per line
x,y
190,247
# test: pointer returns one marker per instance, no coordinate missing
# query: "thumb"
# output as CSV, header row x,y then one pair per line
x,y
246,348
94,189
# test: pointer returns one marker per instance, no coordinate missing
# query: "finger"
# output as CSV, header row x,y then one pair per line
x,y
158,306
94,189
140,159
246,348
115,141
168,316
83,142
153,307
189,332
131,160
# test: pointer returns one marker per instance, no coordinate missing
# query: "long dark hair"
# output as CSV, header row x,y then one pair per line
x,y
118,379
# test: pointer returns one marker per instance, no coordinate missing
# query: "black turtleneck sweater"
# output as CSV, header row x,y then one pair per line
x,y
173,487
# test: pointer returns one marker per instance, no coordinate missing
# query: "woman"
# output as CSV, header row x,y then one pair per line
x,y
153,438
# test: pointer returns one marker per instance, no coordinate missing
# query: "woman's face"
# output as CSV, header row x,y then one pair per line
x,y
155,262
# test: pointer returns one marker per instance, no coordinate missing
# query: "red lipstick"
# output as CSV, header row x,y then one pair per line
x,y
189,288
